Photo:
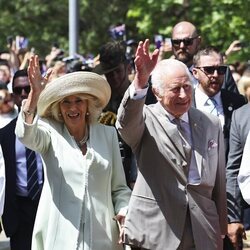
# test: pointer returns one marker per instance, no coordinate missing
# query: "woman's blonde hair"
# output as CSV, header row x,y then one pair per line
x,y
94,109
243,84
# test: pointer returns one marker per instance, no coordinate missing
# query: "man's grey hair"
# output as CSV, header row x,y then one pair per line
x,y
163,68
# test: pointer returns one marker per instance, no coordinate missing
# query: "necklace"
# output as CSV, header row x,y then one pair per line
x,y
81,143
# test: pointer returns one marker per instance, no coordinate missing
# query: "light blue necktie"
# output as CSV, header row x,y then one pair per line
x,y
213,104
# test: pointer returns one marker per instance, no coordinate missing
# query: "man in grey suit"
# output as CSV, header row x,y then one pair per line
x,y
179,198
240,127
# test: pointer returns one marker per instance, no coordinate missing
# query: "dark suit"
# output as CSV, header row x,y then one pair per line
x,y
19,212
230,102
229,83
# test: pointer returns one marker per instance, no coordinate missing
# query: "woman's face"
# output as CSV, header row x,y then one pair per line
x,y
73,110
6,102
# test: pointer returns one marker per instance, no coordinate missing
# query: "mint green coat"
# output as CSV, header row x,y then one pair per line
x,y
81,194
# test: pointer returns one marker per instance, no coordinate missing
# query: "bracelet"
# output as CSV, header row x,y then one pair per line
x,y
28,113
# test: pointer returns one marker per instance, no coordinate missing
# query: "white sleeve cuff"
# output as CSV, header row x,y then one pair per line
x,y
136,94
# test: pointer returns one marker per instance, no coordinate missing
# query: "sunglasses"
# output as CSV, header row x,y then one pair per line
x,y
186,41
18,90
209,70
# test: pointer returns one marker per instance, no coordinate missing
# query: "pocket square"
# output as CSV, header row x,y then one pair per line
x,y
212,144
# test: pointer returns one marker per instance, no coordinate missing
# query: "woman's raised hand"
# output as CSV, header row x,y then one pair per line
x,y
37,81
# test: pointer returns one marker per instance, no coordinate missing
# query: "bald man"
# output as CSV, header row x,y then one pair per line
x,y
185,42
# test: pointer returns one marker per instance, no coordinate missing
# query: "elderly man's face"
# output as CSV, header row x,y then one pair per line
x,y
177,95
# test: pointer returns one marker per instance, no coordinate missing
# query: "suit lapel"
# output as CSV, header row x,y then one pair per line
x,y
170,129
196,126
10,140
169,143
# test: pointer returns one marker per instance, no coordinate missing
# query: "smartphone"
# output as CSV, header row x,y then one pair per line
x,y
168,42
21,42
158,40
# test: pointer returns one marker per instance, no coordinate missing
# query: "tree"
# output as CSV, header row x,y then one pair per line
x,y
220,21
43,22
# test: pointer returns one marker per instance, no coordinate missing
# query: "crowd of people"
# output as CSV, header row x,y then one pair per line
x,y
135,149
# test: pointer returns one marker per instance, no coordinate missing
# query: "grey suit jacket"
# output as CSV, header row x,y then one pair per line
x,y
240,127
162,195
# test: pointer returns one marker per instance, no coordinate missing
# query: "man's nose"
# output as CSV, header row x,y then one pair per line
x,y
182,92
182,45
23,92
215,73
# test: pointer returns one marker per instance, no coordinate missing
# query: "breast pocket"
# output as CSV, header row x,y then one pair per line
x,y
212,151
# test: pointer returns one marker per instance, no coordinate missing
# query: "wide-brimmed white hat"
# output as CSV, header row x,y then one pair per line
x,y
81,82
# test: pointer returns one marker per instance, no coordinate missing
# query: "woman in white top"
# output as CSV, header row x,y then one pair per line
x,y
84,187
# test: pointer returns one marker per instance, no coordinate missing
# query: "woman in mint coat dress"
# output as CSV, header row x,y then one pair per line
x,y
85,195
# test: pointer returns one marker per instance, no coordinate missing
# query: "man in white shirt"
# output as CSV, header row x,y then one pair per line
x,y
209,96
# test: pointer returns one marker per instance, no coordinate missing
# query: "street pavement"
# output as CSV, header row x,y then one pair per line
x,y
247,242
4,242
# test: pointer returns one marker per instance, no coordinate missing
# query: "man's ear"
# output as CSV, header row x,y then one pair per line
x,y
199,41
195,73
157,94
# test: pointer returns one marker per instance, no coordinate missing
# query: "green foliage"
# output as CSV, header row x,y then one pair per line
x,y
42,22
220,21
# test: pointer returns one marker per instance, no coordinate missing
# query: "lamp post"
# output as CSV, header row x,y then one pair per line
x,y
73,27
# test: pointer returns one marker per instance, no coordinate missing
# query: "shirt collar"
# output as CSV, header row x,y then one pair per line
x,y
204,97
217,97
183,117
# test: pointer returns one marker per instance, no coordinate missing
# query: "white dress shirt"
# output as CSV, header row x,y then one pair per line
x,y
7,118
2,181
204,104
